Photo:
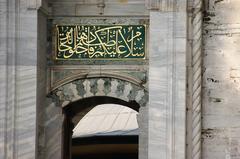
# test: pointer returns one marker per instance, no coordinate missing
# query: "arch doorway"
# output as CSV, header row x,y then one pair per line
x,y
72,100
101,128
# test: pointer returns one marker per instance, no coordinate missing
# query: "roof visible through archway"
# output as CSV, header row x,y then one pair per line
x,y
107,120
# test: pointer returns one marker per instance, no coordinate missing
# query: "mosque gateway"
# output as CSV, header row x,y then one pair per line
x,y
119,79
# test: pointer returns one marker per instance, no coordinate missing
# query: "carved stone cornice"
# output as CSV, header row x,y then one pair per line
x,y
60,75
166,5
34,4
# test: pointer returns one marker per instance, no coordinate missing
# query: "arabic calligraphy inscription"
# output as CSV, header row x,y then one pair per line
x,y
100,42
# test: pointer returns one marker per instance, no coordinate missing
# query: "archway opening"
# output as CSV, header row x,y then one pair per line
x,y
101,128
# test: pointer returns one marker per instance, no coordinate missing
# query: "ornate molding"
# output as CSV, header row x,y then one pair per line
x,y
83,75
60,75
92,87
196,79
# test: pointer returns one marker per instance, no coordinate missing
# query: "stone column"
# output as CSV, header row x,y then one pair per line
x,y
18,78
167,79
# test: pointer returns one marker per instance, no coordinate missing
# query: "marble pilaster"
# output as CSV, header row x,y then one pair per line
x,y
167,84
18,67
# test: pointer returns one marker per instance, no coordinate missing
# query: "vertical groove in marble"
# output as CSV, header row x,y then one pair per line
x,y
3,77
11,79
41,84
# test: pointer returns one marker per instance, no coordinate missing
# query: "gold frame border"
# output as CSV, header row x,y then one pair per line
x,y
99,59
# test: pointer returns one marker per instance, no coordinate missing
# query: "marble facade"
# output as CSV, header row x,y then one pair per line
x,y
162,83
29,118
24,79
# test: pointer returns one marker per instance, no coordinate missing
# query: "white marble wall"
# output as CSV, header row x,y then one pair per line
x,y
167,83
221,81
18,109
99,8
18,78
53,131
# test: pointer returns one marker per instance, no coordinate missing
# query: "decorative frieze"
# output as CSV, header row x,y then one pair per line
x,y
85,88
